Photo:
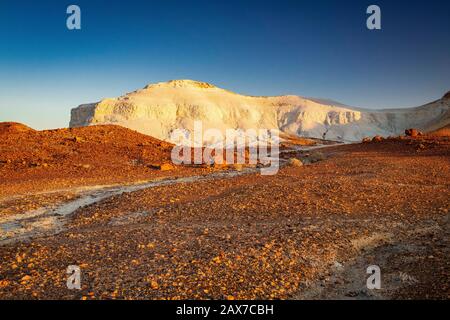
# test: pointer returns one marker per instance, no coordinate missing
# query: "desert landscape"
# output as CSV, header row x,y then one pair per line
x,y
355,188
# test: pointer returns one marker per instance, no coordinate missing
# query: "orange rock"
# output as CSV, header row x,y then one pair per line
x,y
163,167
412,132
154,285
377,139
167,167
26,278
4,283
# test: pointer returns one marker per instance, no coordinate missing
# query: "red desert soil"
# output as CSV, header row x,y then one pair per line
x,y
44,168
33,161
13,127
307,232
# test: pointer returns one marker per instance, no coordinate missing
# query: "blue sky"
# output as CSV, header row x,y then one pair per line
x,y
310,48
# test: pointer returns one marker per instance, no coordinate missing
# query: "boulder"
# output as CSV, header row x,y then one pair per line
x,y
294,162
377,139
167,166
411,132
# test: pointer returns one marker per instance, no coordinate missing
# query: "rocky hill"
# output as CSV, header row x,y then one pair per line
x,y
78,156
13,127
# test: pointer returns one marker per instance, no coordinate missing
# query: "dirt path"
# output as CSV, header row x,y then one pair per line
x,y
50,219
401,259
45,221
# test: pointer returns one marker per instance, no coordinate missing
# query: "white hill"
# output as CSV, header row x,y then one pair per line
x,y
159,108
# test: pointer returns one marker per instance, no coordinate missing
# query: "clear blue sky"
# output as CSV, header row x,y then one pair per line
x,y
310,48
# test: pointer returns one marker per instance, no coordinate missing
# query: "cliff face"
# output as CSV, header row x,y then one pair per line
x,y
160,108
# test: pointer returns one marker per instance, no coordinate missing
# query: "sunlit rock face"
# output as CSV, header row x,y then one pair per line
x,y
160,108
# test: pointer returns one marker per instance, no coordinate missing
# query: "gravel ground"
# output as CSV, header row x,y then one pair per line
x,y
308,232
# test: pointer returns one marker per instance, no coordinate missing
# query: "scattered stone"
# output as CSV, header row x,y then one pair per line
x,y
154,285
77,139
338,266
351,294
366,140
167,167
411,132
421,146
26,278
163,167
293,162
377,139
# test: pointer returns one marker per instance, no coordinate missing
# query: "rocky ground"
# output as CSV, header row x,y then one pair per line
x,y
309,232
34,161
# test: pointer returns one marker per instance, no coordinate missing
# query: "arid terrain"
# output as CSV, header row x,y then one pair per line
x,y
106,198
